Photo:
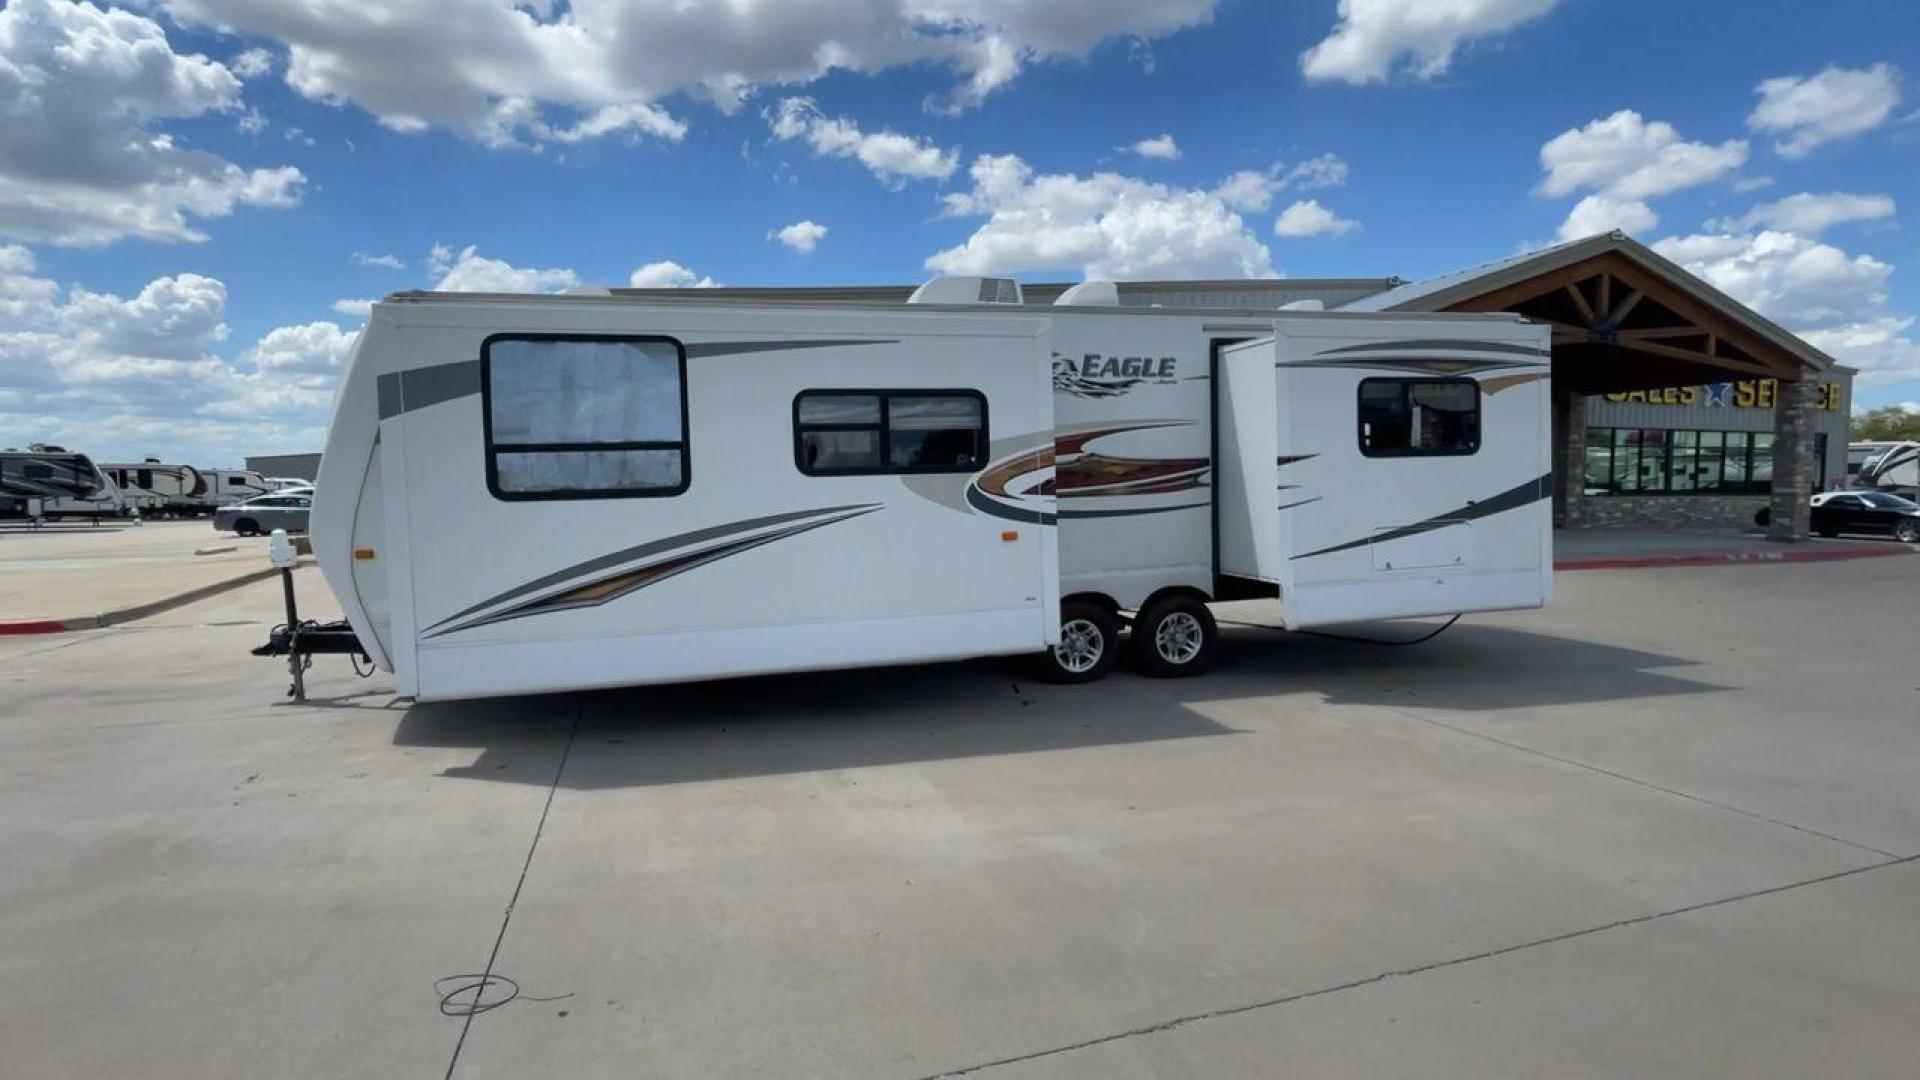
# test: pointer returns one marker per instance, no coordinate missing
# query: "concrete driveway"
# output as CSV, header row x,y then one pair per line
x,y
1664,828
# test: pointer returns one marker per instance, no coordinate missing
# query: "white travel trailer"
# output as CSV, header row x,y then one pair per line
x,y
525,494
49,482
228,486
1885,466
153,487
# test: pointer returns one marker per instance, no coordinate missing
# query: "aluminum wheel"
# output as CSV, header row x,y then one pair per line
x,y
1179,638
1081,646
1907,532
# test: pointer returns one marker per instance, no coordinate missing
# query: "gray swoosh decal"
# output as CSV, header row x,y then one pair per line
x,y
1131,513
1436,343
1511,499
1433,365
607,588
405,391
641,551
696,350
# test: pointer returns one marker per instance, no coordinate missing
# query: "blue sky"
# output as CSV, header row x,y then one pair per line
x,y
193,193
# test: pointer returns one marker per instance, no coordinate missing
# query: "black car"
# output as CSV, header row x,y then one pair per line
x,y
1836,512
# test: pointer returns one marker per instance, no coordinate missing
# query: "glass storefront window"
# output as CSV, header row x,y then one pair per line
x,y
1629,461
1760,475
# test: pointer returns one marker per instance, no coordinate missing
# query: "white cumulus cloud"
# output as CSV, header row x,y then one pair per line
x,y
515,71
1605,213
1626,156
252,63
801,236
1308,218
668,274
1104,225
384,262
121,377
1624,160
1802,113
1837,301
1160,147
1254,189
1374,37
469,271
1811,214
80,164
892,157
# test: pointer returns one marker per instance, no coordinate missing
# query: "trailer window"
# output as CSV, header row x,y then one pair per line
x,y
582,417
36,470
1419,417
852,432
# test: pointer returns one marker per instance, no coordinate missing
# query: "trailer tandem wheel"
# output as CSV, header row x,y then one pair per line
x,y
1175,636
1089,644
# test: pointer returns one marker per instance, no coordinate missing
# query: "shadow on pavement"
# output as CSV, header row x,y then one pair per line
x,y
783,724
1470,668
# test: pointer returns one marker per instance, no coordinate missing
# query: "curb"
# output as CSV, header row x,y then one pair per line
x,y
1733,558
131,614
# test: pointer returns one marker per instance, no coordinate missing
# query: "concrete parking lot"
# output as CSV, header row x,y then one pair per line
x,y
1666,827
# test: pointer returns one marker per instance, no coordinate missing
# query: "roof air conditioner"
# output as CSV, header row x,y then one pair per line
x,y
967,290
1090,294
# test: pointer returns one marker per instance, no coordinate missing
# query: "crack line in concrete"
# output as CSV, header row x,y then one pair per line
x,y
513,901
1421,969
1648,784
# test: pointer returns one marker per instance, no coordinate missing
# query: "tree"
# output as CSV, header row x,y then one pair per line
x,y
1887,424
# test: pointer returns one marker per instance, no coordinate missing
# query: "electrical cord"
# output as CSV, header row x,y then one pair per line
x,y
1429,636
466,995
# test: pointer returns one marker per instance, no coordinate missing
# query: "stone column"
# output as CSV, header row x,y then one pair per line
x,y
1792,459
1569,458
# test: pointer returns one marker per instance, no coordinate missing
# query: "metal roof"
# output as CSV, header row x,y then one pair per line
x,y
1441,292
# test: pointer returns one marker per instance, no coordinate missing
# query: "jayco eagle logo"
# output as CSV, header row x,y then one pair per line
x,y
1092,375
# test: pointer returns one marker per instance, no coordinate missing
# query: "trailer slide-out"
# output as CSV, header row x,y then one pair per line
x,y
524,494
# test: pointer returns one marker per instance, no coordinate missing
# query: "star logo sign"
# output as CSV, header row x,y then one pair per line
x,y
1718,394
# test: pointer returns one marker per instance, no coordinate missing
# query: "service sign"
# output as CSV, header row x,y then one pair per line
x,y
1749,394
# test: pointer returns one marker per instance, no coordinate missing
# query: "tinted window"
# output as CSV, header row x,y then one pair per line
x,y
1884,501
891,431
585,417
37,470
1419,417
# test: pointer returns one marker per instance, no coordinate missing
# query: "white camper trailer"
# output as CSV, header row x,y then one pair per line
x,y
153,487
228,486
527,494
51,482
1885,466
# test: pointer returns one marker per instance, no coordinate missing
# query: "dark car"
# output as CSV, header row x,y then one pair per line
x,y
1836,512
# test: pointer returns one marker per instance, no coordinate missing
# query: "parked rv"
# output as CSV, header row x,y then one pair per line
x,y
525,494
49,481
155,488
1885,466
228,486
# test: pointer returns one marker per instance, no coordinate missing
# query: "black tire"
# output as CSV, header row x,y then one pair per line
x,y
247,527
1175,637
1089,644
1828,533
1763,517
1907,532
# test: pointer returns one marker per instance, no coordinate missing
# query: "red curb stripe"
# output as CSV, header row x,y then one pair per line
x,y
1729,558
41,626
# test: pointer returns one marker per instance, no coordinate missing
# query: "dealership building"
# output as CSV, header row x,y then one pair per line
x,y
1673,403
